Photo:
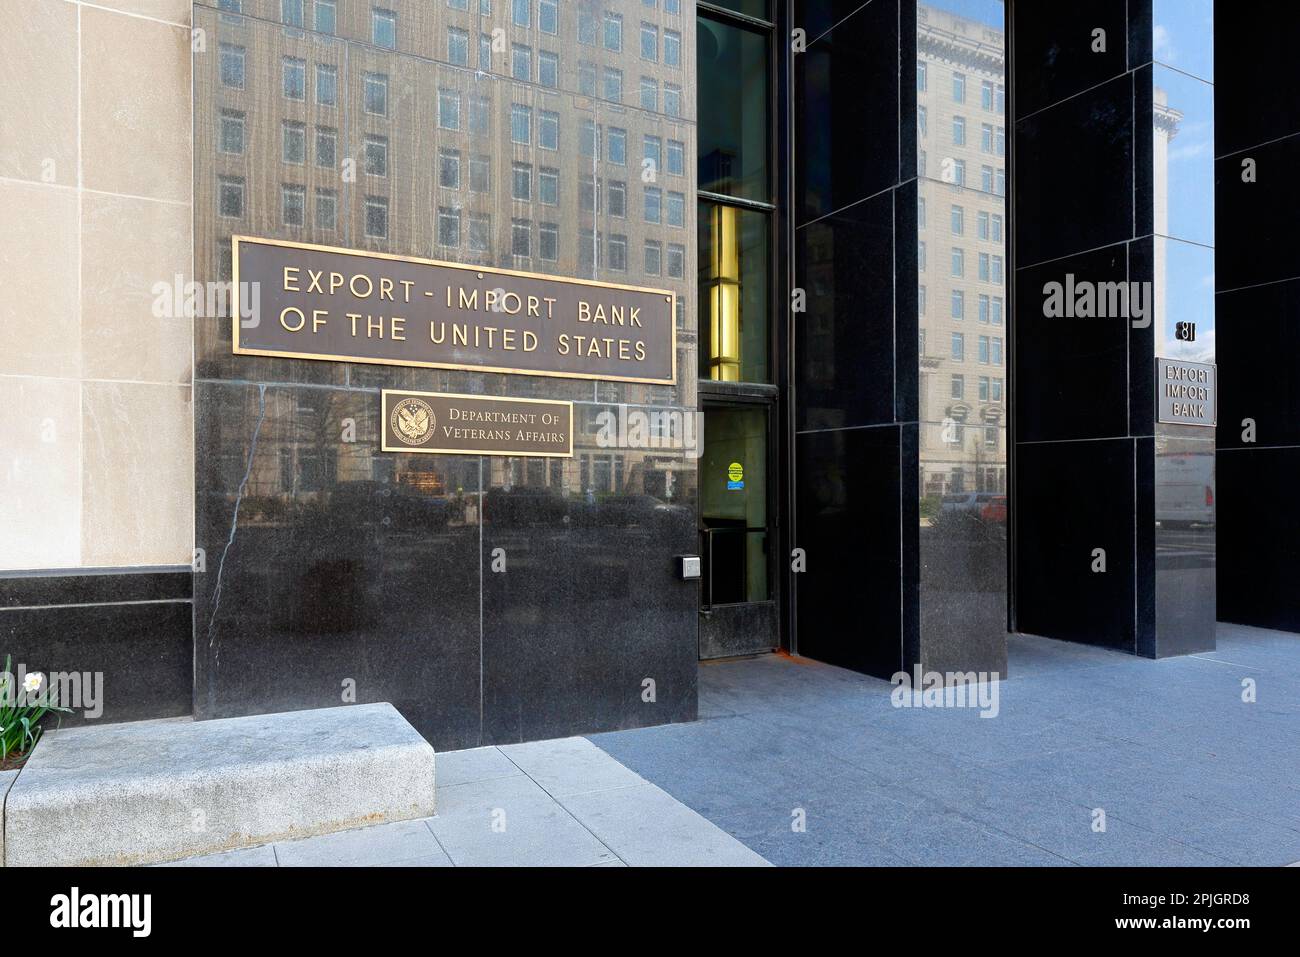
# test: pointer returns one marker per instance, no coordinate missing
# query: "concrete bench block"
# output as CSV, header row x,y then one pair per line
x,y
157,791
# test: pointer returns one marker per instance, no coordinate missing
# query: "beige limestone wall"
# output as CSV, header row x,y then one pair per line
x,y
96,444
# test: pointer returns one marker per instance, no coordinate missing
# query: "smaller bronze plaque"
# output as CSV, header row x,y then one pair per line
x,y
475,424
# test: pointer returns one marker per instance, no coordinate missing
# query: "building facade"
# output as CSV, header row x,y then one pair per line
x,y
883,447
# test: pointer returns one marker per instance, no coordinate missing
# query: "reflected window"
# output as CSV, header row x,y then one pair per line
x,y
548,69
326,13
375,94
521,60
383,28
521,124
548,16
521,237
449,169
448,109
230,196
457,47
231,134
377,217
649,42
326,147
448,226
327,85
548,130
548,186
376,155
294,73
548,241
293,138
327,204
613,32
291,13
293,205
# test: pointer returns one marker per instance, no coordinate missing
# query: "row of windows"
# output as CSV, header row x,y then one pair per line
x,y
990,349
990,389
594,195
993,139
993,96
293,72
987,225
990,265
232,139
989,311
230,194
592,248
952,170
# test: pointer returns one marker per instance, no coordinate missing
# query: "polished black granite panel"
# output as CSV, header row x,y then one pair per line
x,y
1086,142
137,656
1072,374
962,556
1258,217
1147,180
1141,31
848,137
1073,498
1183,539
850,602
1254,73
581,600
351,565
844,342
1143,336
1258,514
86,586
346,570
1259,336
1054,49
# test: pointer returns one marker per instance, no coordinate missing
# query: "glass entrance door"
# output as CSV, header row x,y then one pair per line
x,y
738,615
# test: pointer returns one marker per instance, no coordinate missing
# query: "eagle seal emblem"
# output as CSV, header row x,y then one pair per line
x,y
412,421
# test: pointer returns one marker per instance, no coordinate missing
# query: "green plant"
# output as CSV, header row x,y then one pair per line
x,y
21,711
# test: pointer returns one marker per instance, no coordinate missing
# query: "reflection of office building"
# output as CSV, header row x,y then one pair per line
x,y
961,159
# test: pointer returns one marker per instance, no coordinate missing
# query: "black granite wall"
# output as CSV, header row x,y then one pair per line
x,y
126,632
886,587
490,599
1109,186
1258,299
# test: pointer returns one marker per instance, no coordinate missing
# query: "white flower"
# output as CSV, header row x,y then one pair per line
x,y
33,682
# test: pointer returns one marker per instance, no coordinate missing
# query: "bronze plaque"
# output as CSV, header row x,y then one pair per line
x,y
475,424
319,302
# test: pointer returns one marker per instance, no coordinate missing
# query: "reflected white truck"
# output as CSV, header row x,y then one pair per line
x,y
1185,488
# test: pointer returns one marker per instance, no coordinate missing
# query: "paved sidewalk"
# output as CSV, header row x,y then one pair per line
x,y
1185,771
549,803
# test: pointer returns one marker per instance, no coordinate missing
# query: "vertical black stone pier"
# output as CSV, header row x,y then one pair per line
x,y
900,436
1113,232
1257,146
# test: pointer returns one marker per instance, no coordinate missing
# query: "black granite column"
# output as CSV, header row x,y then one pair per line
x,y
893,579
1257,151
1113,231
